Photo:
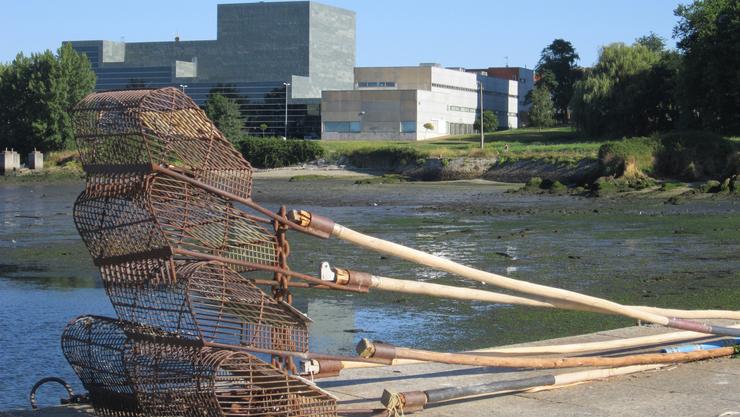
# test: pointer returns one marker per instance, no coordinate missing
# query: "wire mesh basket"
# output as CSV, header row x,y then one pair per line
x,y
128,131
132,370
207,301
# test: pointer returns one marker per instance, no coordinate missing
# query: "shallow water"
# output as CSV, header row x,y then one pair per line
x,y
632,251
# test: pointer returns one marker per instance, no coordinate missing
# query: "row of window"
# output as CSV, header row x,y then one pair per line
x,y
362,84
472,90
462,109
356,127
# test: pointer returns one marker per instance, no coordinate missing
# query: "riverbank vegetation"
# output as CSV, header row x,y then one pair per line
x,y
555,144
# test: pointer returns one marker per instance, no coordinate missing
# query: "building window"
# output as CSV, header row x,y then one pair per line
x,y
376,84
462,109
408,126
339,127
343,127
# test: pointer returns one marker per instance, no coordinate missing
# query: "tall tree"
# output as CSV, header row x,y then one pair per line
x,y
542,112
490,122
224,112
559,60
708,33
652,41
615,98
36,95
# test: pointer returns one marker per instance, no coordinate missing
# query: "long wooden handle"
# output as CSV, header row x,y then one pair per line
x,y
370,349
570,348
433,261
436,262
474,294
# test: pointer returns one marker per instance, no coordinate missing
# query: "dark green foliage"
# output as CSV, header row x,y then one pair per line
x,y
711,186
639,153
695,155
708,34
628,92
533,183
558,70
388,158
490,122
36,95
542,112
275,152
682,155
652,42
224,112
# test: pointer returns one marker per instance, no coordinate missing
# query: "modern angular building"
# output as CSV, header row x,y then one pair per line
x,y
264,56
415,103
523,76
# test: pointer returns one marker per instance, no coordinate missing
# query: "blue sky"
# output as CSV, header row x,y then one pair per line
x,y
467,33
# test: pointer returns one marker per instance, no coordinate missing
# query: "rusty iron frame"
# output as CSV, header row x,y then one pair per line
x,y
179,262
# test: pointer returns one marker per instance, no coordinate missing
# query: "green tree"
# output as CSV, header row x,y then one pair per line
x,y
558,72
542,112
428,126
490,122
616,96
224,113
652,42
708,33
36,96
263,127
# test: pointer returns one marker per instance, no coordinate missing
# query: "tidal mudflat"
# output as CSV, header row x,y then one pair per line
x,y
633,250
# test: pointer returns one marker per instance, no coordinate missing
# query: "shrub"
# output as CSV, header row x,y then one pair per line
x,y
275,153
693,155
628,156
391,157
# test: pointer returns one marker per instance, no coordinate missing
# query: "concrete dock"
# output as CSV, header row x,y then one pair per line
x,y
707,388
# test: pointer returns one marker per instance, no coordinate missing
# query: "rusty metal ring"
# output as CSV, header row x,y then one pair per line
x,y
43,381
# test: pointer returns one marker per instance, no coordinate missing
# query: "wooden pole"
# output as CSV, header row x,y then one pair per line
x,y
474,294
571,348
368,349
411,401
322,225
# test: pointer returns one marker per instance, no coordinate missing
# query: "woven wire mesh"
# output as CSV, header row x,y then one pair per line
x,y
207,301
95,347
231,310
128,216
128,131
199,221
136,371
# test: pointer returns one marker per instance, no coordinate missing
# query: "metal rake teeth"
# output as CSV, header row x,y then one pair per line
x,y
129,131
134,371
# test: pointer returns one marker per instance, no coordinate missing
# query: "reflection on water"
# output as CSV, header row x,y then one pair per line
x,y
679,256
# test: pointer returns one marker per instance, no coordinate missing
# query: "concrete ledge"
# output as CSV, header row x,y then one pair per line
x,y
707,389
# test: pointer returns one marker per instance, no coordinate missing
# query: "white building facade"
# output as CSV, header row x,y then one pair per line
x,y
415,103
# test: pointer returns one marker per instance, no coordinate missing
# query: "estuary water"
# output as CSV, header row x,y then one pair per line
x,y
631,250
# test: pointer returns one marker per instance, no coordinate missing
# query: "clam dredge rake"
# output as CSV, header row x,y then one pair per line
x,y
168,218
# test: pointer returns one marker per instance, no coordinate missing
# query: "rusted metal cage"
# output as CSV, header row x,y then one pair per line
x,y
94,347
128,131
208,302
124,217
162,375
170,247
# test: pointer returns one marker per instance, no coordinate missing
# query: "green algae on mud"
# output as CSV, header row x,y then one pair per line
x,y
632,250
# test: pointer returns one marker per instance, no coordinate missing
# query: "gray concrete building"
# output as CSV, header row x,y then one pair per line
x,y
415,103
264,54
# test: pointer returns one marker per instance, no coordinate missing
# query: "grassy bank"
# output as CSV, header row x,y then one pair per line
x,y
556,145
